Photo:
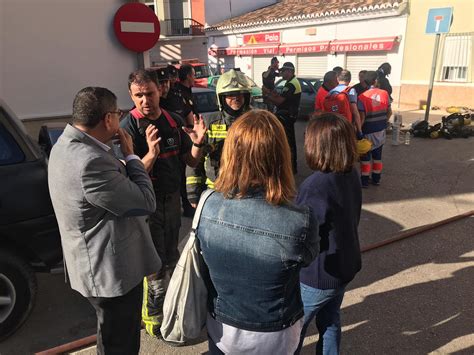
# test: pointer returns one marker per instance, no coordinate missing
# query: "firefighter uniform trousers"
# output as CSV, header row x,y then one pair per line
x,y
164,226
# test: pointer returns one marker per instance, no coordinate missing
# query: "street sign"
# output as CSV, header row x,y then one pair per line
x,y
136,27
439,20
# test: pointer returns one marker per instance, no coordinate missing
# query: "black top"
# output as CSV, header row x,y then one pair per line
x,y
360,89
179,100
292,99
335,201
166,172
268,78
384,84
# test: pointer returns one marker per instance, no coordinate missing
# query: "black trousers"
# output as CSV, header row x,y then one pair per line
x,y
119,322
288,122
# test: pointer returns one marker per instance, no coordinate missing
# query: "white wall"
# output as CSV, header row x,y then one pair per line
x,y
51,49
372,28
220,10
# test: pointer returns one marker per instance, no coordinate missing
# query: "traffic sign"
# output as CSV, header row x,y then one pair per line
x,y
136,27
439,20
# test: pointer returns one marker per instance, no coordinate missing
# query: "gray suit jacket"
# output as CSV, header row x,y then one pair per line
x,y
101,207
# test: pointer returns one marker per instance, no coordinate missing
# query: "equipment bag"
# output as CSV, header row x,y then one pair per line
x,y
185,306
338,102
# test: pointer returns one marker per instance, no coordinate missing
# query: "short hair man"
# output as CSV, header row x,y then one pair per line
x,y
374,107
344,79
100,205
268,80
176,145
361,86
180,97
288,103
338,69
329,82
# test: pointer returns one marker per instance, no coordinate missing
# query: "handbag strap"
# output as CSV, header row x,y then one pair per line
x,y
197,216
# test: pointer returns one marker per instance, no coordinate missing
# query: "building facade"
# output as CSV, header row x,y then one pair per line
x,y
314,35
182,31
454,77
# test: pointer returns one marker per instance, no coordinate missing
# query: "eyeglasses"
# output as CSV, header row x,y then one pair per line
x,y
118,112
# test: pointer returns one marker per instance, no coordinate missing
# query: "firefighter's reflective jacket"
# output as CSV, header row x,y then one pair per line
x,y
205,173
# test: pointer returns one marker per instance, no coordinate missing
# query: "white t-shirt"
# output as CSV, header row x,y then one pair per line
x,y
231,340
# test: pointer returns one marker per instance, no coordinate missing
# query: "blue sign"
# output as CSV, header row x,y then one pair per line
x,y
439,20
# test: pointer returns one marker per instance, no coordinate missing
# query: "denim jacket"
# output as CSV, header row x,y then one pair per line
x,y
254,252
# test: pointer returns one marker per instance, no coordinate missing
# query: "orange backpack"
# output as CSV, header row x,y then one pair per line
x,y
338,102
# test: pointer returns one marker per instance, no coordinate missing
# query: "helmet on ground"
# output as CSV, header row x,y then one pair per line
x,y
230,83
363,146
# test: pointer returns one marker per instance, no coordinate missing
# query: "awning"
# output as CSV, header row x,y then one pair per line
x,y
346,45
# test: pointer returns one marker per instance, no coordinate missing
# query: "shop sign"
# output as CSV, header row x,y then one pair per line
x,y
260,38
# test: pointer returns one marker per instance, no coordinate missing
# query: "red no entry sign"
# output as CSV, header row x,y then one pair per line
x,y
136,27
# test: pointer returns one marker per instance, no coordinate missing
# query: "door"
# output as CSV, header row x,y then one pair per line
x,y
260,64
312,65
355,62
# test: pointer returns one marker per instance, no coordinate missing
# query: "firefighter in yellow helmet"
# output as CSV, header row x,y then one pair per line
x,y
233,95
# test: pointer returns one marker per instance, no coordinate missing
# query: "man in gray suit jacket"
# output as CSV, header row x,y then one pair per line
x,y
101,206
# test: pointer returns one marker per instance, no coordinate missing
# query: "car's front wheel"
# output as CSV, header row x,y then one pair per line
x,y
18,288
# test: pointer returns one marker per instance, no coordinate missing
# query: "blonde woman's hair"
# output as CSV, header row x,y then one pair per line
x,y
256,155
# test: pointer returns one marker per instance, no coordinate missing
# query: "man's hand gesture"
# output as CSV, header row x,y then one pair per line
x,y
152,140
198,132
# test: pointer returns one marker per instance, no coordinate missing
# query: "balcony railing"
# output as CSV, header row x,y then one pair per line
x,y
181,27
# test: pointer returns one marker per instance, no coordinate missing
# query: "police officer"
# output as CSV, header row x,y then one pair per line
x,y
288,103
233,95
180,97
176,144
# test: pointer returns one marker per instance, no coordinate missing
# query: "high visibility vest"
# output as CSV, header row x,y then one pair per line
x,y
376,103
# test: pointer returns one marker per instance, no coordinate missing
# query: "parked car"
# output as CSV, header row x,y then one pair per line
x,y
29,234
309,88
205,100
256,98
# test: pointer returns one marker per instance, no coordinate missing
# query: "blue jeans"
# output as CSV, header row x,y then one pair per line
x,y
325,305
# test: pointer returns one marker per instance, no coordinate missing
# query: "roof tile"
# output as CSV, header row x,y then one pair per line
x,y
294,10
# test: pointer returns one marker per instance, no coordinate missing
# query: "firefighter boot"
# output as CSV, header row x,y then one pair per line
x,y
154,291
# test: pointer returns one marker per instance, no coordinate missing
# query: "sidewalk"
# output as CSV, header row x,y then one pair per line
x,y
413,296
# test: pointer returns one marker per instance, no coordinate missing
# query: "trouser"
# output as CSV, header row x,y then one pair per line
x,y
371,162
325,305
184,195
118,322
289,125
164,227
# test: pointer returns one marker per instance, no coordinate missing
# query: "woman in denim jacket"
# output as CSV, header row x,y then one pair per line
x,y
254,242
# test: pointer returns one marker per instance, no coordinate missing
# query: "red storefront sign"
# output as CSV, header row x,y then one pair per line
x,y
362,45
218,52
262,38
298,48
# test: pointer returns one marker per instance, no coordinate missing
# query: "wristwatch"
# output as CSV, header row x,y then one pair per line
x,y
198,145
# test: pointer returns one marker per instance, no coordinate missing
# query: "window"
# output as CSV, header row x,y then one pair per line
x,y
456,57
10,152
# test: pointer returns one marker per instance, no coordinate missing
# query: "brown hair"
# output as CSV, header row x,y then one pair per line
x,y
330,144
256,155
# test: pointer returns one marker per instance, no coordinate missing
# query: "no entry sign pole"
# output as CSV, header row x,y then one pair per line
x,y
433,72
439,21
